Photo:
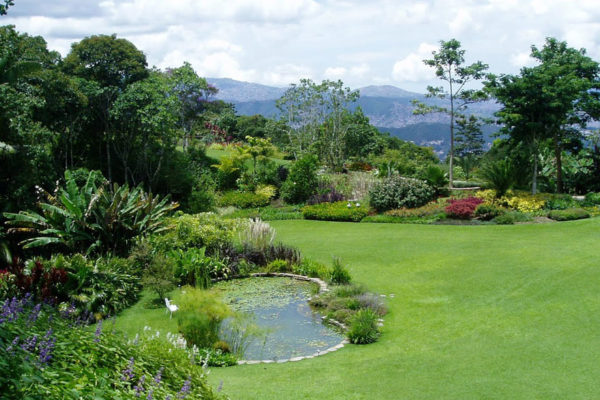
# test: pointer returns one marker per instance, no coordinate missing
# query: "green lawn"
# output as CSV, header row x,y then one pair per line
x,y
479,312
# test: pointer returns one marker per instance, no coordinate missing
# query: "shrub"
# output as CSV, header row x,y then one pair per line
x,y
462,208
93,217
338,211
592,199
487,212
435,176
278,266
398,192
159,276
427,210
268,213
326,193
363,327
280,251
200,316
243,199
359,166
302,180
500,176
569,214
193,267
199,230
510,218
268,191
339,274
372,302
313,269
67,353
560,202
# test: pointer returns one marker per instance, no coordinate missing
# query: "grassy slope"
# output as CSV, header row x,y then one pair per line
x,y
480,312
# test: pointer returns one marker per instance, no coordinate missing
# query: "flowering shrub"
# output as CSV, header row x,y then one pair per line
x,y
462,208
518,201
57,352
339,211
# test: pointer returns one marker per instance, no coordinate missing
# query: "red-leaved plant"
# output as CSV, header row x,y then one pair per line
x,y
462,208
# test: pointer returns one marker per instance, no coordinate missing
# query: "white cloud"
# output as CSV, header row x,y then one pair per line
x,y
412,68
335,72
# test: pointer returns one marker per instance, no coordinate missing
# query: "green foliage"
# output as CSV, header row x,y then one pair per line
x,y
103,287
193,267
500,176
338,211
363,327
302,181
511,217
243,199
560,202
200,316
313,269
592,199
92,217
398,192
487,212
158,277
200,230
568,214
435,176
339,274
68,353
406,158
231,168
268,213
278,265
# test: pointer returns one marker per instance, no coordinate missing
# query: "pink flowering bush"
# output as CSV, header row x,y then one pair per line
x,y
462,208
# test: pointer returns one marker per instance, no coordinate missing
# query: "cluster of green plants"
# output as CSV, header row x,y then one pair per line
x,y
243,199
51,354
338,211
354,307
398,192
568,214
269,213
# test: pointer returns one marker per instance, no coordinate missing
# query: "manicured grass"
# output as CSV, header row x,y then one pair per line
x,y
479,312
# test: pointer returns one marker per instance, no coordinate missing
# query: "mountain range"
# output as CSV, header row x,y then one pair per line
x,y
389,108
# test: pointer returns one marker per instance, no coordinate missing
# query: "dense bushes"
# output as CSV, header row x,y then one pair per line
x,y
462,208
568,214
200,317
51,355
363,327
243,199
302,181
487,212
339,211
398,192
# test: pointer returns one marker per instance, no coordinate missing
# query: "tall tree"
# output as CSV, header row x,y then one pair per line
x,y
5,6
113,64
449,66
193,93
315,115
469,142
548,102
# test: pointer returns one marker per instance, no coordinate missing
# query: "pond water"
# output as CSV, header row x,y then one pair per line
x,y
280,307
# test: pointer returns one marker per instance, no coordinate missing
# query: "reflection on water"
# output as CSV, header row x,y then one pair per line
x,y
280,306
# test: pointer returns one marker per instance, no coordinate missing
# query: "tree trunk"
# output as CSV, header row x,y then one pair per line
x,y
535,173
558,155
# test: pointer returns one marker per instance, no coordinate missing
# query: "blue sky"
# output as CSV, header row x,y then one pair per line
x,y
277,42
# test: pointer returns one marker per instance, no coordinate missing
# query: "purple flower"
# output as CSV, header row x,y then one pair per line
x,y
46,347
139,387
35,313
11,348
98,331
150,394
29,344
185,389
66,314
158,377
128,373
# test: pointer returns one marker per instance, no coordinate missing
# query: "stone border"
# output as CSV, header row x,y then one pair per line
x,y
322,288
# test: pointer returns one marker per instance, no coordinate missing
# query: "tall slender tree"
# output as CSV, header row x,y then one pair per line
x,y
449,64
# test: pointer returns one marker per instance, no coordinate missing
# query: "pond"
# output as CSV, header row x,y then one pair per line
x,y
280,307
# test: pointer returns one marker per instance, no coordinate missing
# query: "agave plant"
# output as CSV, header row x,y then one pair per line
x,y
91,218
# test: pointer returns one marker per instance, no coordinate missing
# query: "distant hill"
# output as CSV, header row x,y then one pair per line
x,y
388,107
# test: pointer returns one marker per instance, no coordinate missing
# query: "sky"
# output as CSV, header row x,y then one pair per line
x,y
277,42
